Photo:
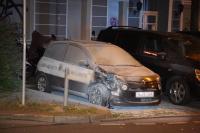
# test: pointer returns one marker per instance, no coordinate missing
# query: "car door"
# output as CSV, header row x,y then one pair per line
x,y
152,54
56,52
75,55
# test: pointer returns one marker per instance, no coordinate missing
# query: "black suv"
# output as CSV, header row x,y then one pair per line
x,y
192,33
174,56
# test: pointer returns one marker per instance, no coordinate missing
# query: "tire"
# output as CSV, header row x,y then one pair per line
x,y
98,94
178,91
30,71
42,83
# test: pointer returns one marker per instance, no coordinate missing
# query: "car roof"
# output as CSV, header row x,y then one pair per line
x,y
135,29
83,43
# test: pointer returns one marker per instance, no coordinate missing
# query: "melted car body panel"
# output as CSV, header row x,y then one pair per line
x,y
58,68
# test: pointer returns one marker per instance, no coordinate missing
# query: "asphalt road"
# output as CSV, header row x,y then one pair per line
x,y
160,125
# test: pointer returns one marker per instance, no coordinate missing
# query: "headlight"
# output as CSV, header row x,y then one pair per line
x,y
158,79
124,87
197,74
115,93
159,83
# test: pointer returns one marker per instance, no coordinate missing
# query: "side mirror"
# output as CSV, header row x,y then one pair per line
x,y
162,55
84,63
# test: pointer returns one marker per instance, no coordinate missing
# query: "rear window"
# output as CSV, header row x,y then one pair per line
x,y
192,45
56,51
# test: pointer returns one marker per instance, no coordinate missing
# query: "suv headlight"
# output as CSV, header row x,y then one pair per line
x,y
150,82
197,74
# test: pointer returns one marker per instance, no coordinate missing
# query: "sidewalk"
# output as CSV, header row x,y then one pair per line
x,y
83,112
75,112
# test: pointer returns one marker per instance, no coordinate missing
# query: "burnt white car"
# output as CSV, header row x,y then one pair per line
x,y
101,72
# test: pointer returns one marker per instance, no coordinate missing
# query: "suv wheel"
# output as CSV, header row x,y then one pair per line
x,y
178,91
42,83
98,94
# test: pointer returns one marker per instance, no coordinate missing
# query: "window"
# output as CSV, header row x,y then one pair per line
x,y
75,55
56,51
152,44
51,17
133,13
99,16
128,40
173,47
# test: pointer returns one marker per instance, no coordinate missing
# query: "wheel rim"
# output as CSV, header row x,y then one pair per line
x,y
41,84
177,92
95,96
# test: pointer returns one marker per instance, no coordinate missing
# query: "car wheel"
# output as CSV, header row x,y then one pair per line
x,y
42,83
98,94
178,91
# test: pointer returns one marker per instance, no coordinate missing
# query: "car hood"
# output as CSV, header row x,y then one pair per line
x,y
131,73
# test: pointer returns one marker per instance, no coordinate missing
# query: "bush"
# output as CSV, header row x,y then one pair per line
x,y
10,59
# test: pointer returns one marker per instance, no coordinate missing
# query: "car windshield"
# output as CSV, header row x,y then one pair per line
x,y
112,56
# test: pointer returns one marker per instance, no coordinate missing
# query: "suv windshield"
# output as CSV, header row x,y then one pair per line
x,y
112,56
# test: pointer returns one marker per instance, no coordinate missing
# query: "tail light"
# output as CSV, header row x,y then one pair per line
x,y
197,74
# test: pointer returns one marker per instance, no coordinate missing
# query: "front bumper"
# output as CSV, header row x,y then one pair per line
x,y
129,98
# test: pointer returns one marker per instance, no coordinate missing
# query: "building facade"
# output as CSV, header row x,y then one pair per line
x,y
83,19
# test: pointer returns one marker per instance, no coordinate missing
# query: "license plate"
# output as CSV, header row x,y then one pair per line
x,y
144,94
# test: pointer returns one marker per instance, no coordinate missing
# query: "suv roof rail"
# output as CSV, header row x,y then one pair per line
x,y
132,27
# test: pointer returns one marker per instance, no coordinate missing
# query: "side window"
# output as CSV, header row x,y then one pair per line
x,y
152,44
56,51
75,55
173,47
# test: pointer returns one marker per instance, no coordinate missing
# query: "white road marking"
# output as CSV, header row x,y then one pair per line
x,y
144,123
177,123
196,122
112,124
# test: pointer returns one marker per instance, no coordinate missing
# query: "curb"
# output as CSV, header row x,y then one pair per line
x,y
55,119
40,118
74,119
134,118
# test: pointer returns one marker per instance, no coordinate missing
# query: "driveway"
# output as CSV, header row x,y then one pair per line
x,y
164,109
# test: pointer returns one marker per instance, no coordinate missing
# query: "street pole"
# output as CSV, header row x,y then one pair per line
x,y
24,53
66,88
